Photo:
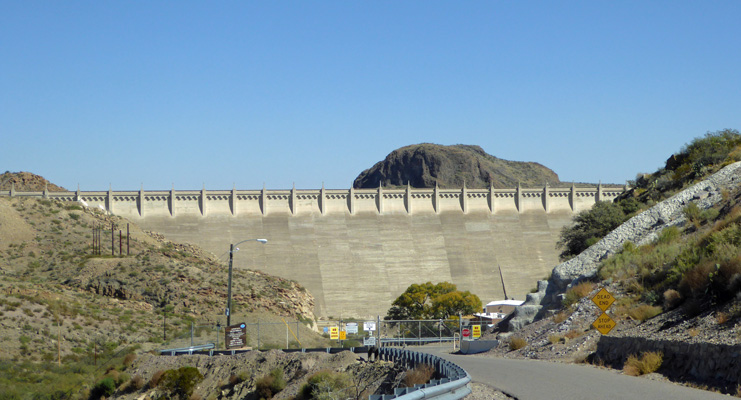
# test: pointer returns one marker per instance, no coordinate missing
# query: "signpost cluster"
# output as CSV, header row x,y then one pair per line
x,y
603,299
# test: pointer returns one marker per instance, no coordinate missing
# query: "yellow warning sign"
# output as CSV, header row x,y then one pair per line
x,y
476,331
334,333
604,324
343,335
603,299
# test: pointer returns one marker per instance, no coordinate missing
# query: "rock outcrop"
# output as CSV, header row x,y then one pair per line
x,y
641,229
424,165
27,182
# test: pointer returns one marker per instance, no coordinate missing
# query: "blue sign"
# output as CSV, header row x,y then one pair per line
x,y
326,329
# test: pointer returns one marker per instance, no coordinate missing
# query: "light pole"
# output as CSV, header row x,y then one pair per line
x,y
232,249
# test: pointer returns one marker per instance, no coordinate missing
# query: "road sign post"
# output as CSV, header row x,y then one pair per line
x,y
603,299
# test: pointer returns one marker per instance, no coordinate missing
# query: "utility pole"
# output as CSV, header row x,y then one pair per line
x,y
229,290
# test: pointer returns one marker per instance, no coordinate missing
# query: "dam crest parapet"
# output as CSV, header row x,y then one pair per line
x,y
322,201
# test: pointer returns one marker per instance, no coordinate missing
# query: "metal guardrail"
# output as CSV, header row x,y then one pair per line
x,y
452,385
187,350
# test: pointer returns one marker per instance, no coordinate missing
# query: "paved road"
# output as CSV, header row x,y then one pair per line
x,y
536,380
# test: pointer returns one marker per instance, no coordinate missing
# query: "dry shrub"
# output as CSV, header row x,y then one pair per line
x,y
721,318
572,334
136,383
560,317
648,363
269,385
672,299
576,293
555,338
643,312
156,379
129,359
517,343
419,375
696,280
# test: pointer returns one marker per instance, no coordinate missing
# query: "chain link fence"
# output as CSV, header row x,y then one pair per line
x,y
294,334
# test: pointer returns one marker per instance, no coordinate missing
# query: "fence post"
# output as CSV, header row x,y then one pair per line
x,y
258,334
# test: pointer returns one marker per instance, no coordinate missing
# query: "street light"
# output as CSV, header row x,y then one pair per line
x,y
232,249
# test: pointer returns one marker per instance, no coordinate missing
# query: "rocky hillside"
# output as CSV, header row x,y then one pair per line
x,y
55,286
424,165
27,182
674,267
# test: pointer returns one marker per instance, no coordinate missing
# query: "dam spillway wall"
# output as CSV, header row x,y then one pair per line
x,y
356,250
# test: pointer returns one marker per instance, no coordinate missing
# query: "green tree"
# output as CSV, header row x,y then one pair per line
x,y
589,227
428,301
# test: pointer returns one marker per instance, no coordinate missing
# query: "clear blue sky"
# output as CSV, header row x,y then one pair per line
x,y
185,93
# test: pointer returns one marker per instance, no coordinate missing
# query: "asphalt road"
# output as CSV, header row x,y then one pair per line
x,y
540,380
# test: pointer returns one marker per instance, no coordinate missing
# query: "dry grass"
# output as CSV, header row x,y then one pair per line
x,y
643,312
560,317
516,343
573,334
554,339
419,375
648,363
576,293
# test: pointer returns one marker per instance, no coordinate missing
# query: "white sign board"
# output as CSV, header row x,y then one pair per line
x,y
369,325
369,341
351,327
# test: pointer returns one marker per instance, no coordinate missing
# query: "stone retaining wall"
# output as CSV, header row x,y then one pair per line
x,y
701,362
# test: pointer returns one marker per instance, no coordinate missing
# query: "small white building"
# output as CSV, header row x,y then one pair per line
x,y
498,310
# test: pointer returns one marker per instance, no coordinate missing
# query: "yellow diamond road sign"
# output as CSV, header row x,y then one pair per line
x,y
604,324
603,299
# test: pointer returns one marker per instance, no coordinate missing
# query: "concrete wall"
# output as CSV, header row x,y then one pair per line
x,y
357,250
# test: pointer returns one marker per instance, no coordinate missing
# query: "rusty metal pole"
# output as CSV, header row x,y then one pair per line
x,y
113,240
128,235
120,243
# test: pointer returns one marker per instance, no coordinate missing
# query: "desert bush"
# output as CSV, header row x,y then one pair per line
x,y
516,343
156,378
560,317
553,339
182,381
692,212
323,385
643,312
419,375
576,293
269,385
648,362
136,383
672,299
668,235
128,359
572,334
104,388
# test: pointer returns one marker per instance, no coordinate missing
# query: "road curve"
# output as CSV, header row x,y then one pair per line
x,y
541,380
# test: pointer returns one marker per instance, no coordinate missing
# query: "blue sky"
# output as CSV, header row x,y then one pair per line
x,y
246,93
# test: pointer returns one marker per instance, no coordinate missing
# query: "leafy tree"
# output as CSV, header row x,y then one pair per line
x,y
428,301
589,227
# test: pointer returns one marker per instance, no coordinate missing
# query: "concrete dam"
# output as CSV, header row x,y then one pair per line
x,y
356,250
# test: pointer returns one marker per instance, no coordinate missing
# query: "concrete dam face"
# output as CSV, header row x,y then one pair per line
x,y
356,250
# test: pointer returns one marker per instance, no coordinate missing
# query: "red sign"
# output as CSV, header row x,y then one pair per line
x,y
466,332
